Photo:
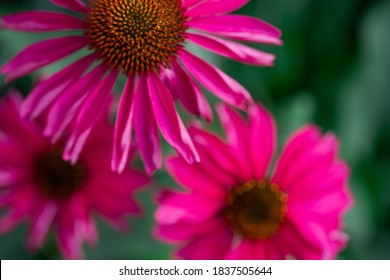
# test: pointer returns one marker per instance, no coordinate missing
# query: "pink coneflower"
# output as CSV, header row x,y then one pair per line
x,y
234,208
38,186
145,41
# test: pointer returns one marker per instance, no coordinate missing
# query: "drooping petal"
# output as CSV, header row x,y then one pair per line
x,y
41,54
232,50
48,90
262,140
213,79
41,21
169,121
213,7
123,127
183,87
238,27
93,107
64,109
145,128
74,5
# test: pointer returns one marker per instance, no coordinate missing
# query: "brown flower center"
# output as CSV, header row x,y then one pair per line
x,y
57,178
256,209
135,36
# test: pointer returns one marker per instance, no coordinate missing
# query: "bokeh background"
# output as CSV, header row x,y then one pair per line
x,y
333,70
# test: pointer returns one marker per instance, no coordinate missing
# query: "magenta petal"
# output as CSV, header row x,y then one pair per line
x,y
182,86
145,128
64,109
238,27
232,50
93,107
187,207
123,127
169,121
222,153
243,251
193,177
188,3
262,140
48,90
11,123
40,225
212,246
297,144
212,7
41,21
183,231
237,133
74,5
41,54
213,79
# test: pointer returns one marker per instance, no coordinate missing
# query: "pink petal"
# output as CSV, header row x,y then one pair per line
x,y
222,153
297,144
183,231
41,21
66,106
123,127
238,135
213,79
182,86
262,140
238,27
189,3
212,7
41,54
93,107
74,5
186,207
193,176
212,246
169,121
48,90
320,154
232,50
244,251
145,128
12,124
41,223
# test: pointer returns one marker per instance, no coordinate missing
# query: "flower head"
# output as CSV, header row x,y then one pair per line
x,y
38,186
235,207
145,41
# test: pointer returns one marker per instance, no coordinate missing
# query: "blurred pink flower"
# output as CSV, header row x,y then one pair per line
x,y
145,40
38,186
233,208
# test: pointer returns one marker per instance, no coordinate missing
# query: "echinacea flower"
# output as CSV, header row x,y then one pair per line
x,y
38,187
145,41
236,207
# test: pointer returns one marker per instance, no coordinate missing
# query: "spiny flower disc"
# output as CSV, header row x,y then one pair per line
x,y
56,178
135,36
256,209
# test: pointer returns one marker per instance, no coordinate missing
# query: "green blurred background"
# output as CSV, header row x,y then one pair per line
x,y
333,70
